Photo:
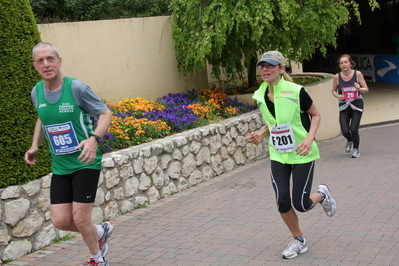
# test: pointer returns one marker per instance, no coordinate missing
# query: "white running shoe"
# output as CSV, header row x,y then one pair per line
x,y
355,153
103,241
93,262
294,248
328,203
348,146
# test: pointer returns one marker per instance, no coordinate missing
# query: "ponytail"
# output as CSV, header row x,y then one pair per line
x,y
287,77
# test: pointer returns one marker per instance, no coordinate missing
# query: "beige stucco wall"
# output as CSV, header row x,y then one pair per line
x,y
123,58
327,106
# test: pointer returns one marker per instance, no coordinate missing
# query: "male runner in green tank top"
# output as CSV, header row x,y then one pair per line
x,y
65,109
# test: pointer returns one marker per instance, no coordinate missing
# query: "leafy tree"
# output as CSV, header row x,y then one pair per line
x,y
231,34
18,34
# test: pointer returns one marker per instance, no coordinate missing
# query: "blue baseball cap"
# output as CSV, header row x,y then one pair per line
x,y
273,58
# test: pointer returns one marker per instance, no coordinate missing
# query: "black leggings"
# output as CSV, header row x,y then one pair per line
x,y
350,121
302,178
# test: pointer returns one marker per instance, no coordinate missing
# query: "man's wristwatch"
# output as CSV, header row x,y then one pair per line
x,y
96,137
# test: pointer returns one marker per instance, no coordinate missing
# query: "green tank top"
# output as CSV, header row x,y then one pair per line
x,y
65,125
287,125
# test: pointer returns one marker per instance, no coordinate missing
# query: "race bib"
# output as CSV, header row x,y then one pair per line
x,y
350,93
282,138
62,138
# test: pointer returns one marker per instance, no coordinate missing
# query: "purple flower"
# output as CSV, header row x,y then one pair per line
x,y
109,136
178,118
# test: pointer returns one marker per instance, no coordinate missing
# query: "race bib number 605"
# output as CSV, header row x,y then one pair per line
x,y
282,138
62,138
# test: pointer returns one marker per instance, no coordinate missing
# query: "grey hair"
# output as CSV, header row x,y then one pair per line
x,y
43,44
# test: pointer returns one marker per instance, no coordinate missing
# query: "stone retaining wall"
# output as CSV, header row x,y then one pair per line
x,y
132,177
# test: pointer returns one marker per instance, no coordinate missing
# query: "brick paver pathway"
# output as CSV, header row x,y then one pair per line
x,y
232,219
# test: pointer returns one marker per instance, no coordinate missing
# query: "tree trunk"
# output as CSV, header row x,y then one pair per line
x,y
252,73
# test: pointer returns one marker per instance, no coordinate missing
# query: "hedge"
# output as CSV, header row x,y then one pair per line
x,y
18,34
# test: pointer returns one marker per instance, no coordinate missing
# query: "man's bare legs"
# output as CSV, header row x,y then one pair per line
x,y
76,217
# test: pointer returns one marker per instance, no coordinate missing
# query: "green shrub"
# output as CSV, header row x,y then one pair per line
x,y
48,11
18,34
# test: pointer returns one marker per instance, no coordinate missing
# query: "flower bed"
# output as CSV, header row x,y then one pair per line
x,y
137,121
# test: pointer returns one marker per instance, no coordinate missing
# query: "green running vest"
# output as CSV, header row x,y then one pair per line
x,y
287,109
65,126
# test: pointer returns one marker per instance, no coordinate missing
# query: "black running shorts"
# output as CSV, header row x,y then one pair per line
x,y
80,186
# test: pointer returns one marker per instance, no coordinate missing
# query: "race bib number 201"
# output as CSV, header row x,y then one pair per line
x,y
282,138
62,138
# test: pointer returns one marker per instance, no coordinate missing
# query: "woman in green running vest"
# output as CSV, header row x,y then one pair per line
x,y
291,124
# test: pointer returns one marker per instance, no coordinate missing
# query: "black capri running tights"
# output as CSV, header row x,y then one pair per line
x,y
350,121
302,178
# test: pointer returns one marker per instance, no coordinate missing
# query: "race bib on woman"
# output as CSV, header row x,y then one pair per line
x,y
282,138
62,138
350,93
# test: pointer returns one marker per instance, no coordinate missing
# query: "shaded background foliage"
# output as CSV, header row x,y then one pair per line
x,y
48,11
18,34
230,35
